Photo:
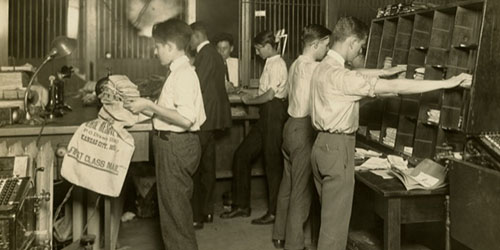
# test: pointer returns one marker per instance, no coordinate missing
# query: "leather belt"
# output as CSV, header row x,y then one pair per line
x,y
164,134
338,133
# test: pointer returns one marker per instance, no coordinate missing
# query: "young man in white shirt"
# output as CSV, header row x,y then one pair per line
x,y
335,94
265,138
296,189
177,116
225,46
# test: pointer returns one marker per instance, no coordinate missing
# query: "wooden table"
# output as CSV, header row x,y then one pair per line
x,y
396,206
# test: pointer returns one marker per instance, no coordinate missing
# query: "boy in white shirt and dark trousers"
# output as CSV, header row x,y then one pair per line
x,y
296,190
177,116
265,138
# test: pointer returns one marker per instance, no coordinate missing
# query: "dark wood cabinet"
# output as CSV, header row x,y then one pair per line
x,y
445,41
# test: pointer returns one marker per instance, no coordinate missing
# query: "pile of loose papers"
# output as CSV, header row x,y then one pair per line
x,y
426,175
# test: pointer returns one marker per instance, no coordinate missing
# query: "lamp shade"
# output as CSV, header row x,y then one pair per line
x,y
62,46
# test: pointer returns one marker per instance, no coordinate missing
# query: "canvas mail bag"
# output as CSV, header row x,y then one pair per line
x,y
98,157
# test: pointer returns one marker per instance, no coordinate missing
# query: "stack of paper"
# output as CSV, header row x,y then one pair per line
x,y
397,162
363,153
426,175
390,137
374,163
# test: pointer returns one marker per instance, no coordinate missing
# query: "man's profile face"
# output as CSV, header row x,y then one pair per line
x,y
355,48
224,49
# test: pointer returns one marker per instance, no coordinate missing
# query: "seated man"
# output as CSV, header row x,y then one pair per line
x,y
225,46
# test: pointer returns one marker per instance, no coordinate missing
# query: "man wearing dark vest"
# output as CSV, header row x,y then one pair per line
x,y
211,71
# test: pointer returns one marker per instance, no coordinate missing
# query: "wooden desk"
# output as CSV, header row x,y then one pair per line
x,y
396,206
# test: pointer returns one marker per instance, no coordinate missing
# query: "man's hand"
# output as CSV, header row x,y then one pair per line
x,y
464,80
136,105
394,70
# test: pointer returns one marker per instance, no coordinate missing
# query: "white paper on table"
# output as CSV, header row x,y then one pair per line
x,y
374,163
425,179
397,161
384,173
368,153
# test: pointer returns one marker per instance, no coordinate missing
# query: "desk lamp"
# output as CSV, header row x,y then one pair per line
x,y
61,46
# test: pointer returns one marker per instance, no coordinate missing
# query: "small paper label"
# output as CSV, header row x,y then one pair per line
x,y
408,150
260,13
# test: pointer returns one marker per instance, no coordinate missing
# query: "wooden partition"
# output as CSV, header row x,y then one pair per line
x,y
445,42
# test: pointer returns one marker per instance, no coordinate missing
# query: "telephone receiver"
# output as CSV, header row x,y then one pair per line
x,y
66,72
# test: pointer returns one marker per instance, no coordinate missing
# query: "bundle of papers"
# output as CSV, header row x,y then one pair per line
x,y
363,153
426,175
433,115
390,137
397,162
374,163
375,134
114,92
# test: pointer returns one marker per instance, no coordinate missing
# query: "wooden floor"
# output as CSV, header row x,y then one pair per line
x,y
233,234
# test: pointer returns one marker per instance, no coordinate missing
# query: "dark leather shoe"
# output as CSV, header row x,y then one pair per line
x,y
198,225
209,218
279,243
236,212
264,220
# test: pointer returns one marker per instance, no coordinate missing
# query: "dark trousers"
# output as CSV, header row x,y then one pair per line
x,y
265,138
332,160
204,178
296,189
176,159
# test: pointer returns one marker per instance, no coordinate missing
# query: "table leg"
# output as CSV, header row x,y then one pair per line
x,y
93,218
392,225
107,223
78,213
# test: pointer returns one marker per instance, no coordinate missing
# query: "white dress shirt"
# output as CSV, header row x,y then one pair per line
x,y
335,95
274,76
181,92
233,70
299,86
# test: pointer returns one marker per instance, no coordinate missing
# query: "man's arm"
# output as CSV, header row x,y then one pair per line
x,y
149,108
260,99
409,86
381,72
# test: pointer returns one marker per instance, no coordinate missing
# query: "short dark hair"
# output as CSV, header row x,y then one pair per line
x,y
200,27
349,26
224,37
314,32
173,30
265,37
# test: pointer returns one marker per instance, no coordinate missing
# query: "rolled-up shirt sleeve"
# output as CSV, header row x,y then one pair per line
x,y
352,83
185,89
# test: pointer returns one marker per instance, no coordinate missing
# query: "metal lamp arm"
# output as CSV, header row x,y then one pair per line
x,y
32,79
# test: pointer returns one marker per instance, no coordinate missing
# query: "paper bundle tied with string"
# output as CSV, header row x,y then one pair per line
x,y
100,151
